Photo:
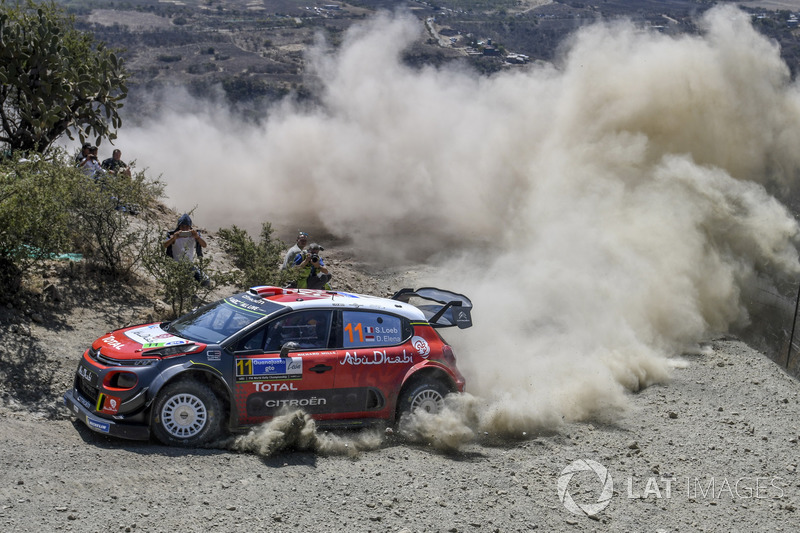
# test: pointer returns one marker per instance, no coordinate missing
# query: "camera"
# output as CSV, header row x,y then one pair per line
x,y
314,258
187,233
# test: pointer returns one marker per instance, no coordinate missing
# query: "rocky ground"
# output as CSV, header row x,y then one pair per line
x,y
716,449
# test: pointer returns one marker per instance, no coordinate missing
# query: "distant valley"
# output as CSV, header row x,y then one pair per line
x,y
253,52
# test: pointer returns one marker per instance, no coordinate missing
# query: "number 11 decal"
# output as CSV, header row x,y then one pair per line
x,y
349,329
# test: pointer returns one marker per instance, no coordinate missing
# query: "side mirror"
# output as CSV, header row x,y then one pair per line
x,y
288,347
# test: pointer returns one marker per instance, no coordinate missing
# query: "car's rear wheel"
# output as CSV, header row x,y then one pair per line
x,y
186,413
425,396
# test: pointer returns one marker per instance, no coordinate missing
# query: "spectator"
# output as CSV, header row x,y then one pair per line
x,y
312,272
302,240
83,153
184,243
90,165
114,164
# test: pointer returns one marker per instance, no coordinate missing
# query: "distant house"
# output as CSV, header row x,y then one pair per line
x,y
491,51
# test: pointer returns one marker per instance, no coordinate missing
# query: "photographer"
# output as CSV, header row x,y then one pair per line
x,y
312,272
183,243
90,165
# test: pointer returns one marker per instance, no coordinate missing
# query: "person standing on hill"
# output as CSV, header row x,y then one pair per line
x,y
294,251
184,243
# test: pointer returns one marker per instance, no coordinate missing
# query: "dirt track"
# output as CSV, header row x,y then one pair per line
x,y
714,450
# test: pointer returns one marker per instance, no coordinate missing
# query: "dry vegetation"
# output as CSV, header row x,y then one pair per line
x,y
254,51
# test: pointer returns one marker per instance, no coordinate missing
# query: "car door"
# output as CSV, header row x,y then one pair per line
x,y
266,383
373,360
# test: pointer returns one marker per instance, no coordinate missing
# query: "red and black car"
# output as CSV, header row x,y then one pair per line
x,y
346,359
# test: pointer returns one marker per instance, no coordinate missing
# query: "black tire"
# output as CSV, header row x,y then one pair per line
x,y
427,395
186,413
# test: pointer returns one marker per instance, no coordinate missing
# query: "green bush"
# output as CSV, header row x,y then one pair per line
x,y
257,263
179,288
35,216
49,207
111,220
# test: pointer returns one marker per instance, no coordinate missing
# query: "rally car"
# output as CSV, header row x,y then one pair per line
x,y
346,359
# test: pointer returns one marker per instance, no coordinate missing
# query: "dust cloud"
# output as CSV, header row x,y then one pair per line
x,y
604,213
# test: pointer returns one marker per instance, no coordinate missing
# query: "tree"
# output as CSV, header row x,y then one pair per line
x,y
54,79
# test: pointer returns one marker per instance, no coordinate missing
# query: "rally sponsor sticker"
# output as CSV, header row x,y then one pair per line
x,y
280,368
421,345
97,425
153,336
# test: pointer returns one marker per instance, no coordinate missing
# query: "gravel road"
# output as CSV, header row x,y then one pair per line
x,y
715,449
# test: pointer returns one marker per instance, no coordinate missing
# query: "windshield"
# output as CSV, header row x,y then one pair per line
x,y
217,321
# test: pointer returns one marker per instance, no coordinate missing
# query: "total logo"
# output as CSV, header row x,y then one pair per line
x,y
604,481
114,343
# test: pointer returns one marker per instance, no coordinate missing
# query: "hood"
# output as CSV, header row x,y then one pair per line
x,y
138,341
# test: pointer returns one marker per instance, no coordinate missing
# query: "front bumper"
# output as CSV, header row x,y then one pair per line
x,y
104,425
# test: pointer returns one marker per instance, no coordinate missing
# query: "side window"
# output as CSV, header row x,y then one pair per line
x,y
309,329
364,329
254,341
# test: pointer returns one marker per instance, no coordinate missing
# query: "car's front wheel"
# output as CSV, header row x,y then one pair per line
x,y
186,413
426,395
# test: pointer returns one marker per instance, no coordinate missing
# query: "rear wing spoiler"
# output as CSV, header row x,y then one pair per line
x,y
442,309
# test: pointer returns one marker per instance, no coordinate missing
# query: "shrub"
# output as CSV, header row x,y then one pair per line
x,y
258,263
34,216
111,220
178,285
201,68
